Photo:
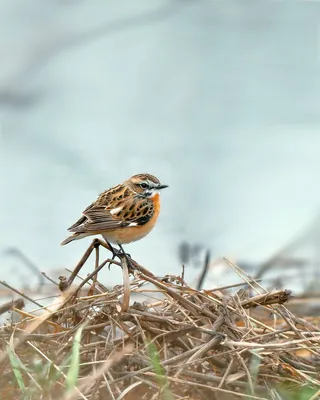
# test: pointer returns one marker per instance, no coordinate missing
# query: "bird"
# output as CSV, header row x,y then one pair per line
x,y
122,214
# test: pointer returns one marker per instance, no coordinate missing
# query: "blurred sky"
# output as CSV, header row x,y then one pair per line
x,y
219,99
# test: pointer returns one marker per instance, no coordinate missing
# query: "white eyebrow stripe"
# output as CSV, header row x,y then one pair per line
x,y
115,210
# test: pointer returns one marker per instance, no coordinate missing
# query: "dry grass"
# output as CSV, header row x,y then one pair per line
x,y
180,343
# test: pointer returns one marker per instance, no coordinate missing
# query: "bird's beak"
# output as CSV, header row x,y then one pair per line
x,y
162,187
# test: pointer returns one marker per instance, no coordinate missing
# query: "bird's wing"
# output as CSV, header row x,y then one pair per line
x,y
80,220
129,212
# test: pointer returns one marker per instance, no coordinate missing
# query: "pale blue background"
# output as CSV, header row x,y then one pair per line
x,y
219,99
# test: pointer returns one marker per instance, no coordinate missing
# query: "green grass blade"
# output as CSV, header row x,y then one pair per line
x,y
155,360
159,370
73,372
15,365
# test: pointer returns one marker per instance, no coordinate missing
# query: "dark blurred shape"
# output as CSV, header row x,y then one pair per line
x,y
204,271
184,252
190,254
15,99
19,303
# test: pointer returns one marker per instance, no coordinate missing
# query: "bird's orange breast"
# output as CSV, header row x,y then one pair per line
x,y
156,203
134,233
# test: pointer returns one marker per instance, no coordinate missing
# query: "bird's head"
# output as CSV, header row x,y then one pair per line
x,y
145,185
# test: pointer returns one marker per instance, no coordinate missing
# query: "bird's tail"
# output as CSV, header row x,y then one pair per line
x,y
75,236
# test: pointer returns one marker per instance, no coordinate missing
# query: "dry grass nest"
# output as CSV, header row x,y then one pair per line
x,y
174,343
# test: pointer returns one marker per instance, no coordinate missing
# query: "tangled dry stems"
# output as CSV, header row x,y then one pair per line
x,y
178,343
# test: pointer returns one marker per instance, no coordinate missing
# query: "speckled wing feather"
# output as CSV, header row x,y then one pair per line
x,y
115,208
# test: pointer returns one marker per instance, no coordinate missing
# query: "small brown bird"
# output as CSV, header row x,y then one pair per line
x,y
123,214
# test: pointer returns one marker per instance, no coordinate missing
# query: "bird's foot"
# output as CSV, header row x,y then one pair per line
x,y
120,254
128,259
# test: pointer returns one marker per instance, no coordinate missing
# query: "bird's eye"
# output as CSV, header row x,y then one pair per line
x,y
143,185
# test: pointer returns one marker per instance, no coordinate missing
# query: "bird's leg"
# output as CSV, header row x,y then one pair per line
x,y
123,252
127,257
115,253
119,253
113,250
